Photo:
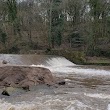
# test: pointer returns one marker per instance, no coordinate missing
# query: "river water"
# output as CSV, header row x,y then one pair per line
x,y
87,87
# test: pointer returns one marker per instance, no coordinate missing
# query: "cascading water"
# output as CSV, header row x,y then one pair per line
x,y
62,65
85,89
59,62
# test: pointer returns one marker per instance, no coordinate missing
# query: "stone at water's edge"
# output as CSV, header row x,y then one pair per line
x,y
4,62
5,93
21,76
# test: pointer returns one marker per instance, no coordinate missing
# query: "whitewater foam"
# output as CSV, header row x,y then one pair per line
x,y
76,70
22,106
62,65
101,96
59,62
50,104
108,108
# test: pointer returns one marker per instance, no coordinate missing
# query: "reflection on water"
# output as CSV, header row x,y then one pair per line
x,y
87,88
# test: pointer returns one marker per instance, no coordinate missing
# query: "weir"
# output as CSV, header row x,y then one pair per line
x,y
25,60
55,64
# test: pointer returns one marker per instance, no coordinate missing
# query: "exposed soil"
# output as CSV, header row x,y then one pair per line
x,y
22,76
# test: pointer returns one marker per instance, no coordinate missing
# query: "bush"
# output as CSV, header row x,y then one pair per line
x,y
99,53
14,50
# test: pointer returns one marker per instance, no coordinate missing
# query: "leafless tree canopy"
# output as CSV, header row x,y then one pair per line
x,y
40,24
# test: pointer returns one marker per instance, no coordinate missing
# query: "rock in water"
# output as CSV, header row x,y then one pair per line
x,y
12,91
24,77
62,83
26,88
4,62
5,93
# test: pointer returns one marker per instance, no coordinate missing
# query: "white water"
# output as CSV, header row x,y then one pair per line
x,y
100,96
62,65
59,62
108,107
50,103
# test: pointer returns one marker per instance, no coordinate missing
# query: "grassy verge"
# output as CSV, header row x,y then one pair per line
x,y
97,61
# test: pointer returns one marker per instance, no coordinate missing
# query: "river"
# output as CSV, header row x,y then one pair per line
x,y
87,87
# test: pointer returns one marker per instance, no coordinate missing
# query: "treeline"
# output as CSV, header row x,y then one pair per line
x,y
82,25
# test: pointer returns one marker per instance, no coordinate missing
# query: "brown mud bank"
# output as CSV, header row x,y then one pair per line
x,y
25,76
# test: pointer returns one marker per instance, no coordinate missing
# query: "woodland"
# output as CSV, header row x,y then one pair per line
x,y
81,27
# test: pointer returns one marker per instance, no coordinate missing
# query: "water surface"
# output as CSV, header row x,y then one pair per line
x,y
87,87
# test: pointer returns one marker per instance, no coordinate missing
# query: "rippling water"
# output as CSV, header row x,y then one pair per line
x,y
87,87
